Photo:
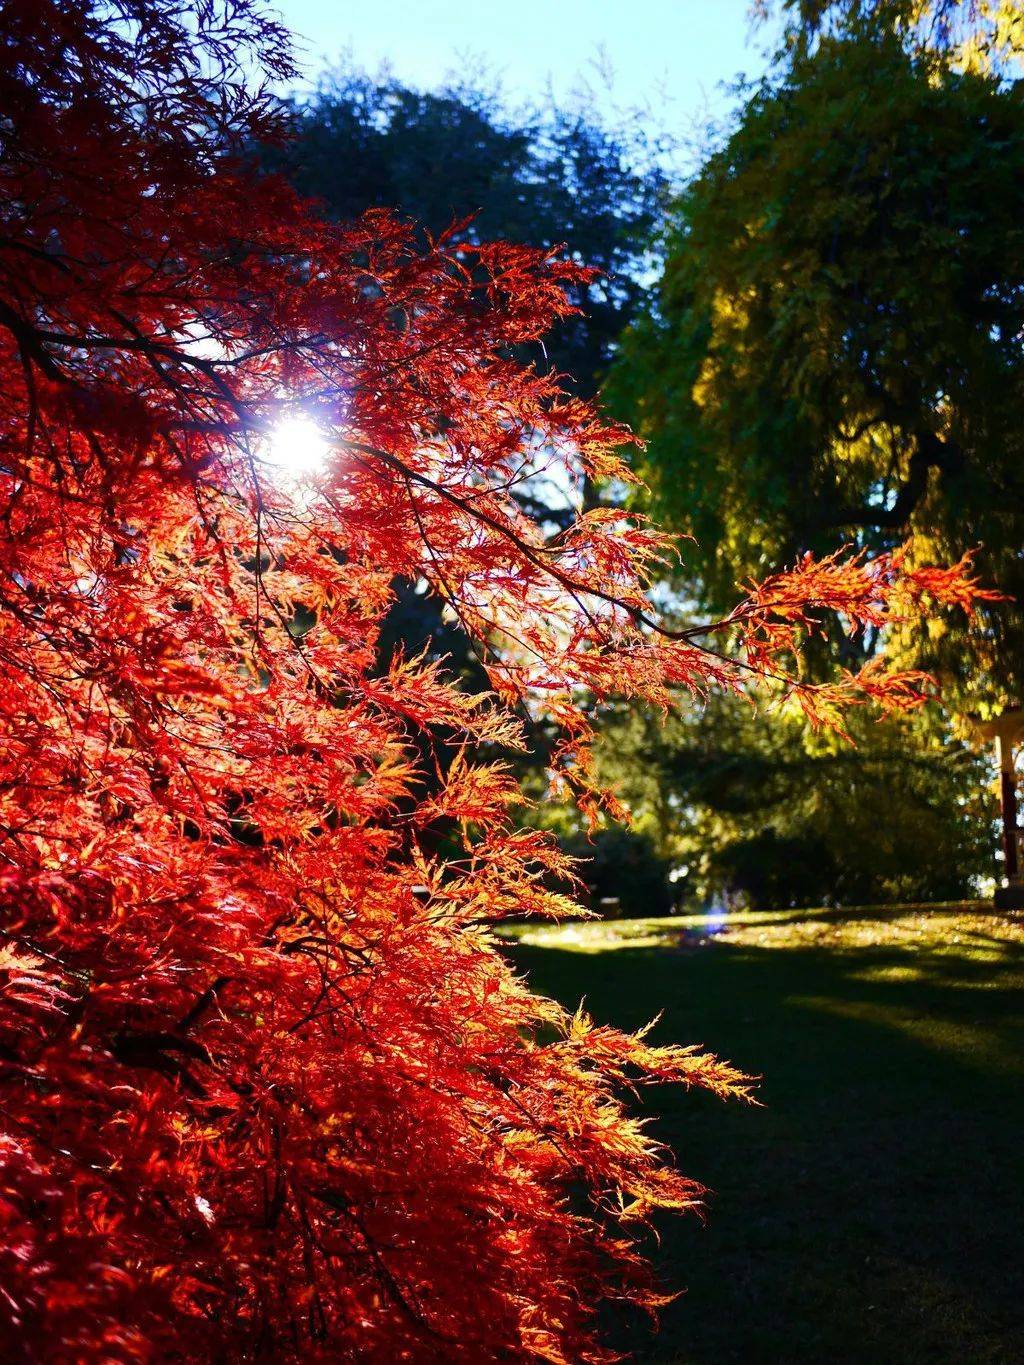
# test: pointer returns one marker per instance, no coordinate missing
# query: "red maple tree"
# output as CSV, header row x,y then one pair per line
x,y
267,1088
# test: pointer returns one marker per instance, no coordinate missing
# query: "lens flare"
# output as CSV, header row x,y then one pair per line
x,y
297,449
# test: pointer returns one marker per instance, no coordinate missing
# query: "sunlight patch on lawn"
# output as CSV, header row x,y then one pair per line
x,y
971,1044
599,936
898,974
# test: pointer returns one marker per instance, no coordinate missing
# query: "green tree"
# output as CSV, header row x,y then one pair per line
x,y
835,355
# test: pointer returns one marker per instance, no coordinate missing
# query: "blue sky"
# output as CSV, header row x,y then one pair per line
x,y
668,54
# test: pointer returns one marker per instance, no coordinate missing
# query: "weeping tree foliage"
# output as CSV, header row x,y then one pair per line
x,y
834,356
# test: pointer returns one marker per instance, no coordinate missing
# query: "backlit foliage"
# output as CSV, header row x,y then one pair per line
x,y
267,1088
977,35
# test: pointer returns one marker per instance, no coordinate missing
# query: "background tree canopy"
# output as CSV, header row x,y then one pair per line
x,y
834,355
556,176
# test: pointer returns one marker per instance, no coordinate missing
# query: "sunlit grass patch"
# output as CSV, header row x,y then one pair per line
x,y
959,929
600,936
973,1042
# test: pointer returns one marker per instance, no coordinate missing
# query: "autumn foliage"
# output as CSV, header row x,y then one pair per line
x,y
267,1088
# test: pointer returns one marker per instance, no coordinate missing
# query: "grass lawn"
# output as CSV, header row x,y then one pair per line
x,y
871,1211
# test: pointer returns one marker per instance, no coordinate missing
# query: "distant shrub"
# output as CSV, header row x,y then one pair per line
x,y
624,865
772,871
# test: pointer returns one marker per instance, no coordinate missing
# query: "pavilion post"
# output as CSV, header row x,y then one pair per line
x,y
1007,729
1008,810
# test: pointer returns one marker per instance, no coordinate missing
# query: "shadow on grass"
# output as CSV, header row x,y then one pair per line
x,y
871,1211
